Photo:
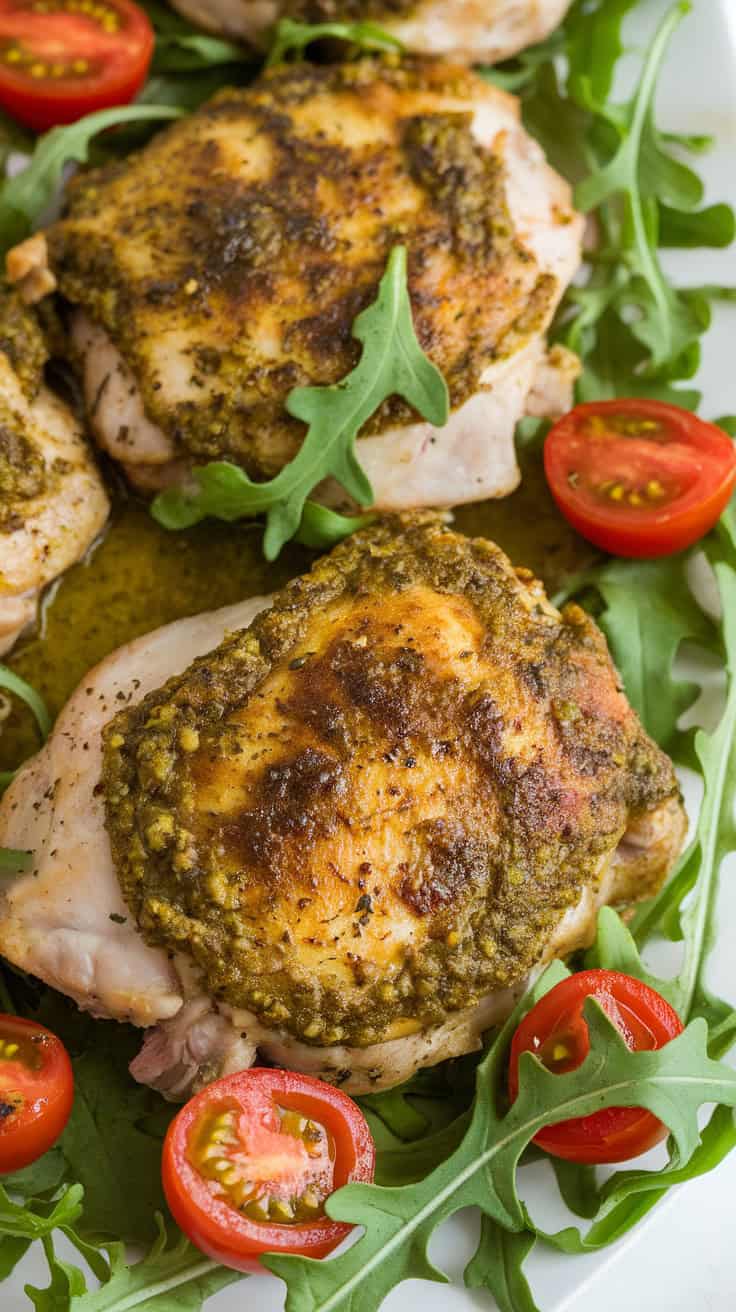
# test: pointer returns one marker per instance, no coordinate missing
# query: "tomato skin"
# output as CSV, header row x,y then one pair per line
x,y
647,1022
696,458
47,1092
214,1225
118,61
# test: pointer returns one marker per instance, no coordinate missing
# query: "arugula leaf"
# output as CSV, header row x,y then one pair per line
x,y
672,1082
392,363
175,1278
649,611
35,1218
118,1164
292,38
637,335
665,326
628,1196
12,860
42,1176
321,528
714,226
497,1266
13,683
24,197
715,835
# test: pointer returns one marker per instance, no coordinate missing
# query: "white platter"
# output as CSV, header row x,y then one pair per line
x,y
684,1258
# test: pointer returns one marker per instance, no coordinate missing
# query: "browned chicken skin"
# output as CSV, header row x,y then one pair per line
x,y
351,832
377,805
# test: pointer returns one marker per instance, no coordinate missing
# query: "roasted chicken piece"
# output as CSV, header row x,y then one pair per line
x,y
346,837
225,264
52,500
479,31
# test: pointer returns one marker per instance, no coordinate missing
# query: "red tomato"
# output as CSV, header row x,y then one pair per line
x,y
556,1032
36,1091
61,59
639,478
249,1163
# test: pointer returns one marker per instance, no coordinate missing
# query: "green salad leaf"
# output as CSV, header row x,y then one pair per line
x,y
291,38
12,860
497,1265
24,197
392,363
647,612
672,1082
635,332
12,682
170,1278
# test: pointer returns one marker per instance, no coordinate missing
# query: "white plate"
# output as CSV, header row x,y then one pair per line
x,y
684,1258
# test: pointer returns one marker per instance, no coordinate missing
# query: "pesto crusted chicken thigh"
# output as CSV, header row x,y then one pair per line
x,y
345,838
52,500
473,30
225,264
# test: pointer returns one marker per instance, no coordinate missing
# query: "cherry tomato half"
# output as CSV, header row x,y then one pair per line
x,y
639,478
61,59
36,1091
556,1032
249,1163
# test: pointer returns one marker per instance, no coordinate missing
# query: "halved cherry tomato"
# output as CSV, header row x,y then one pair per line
x,y
61,59
36,1091
639,478
556,1032
249,1163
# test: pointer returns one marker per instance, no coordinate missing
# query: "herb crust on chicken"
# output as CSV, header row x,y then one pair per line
x,y
376,804
225,264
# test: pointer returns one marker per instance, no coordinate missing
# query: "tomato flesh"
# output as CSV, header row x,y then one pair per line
x,y
639,478
36,1091
61,59
249,1163
556,1032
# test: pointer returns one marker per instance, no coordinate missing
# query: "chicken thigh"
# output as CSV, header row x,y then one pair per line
x,y
479,31
347,836
52,500
225,264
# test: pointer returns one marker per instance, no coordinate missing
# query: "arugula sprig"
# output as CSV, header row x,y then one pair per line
x,y
635,332
172,1277
24,197
672,1082
291,39
392,363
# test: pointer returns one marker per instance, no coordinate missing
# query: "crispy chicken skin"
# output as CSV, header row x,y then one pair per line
x,y
225,264
344,838
52,501
472,30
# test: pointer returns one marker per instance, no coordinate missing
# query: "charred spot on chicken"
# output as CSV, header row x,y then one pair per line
x,y
376,805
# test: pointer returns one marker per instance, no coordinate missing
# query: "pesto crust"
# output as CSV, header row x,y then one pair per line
x,y
23,474
374,805
22,341
247,238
